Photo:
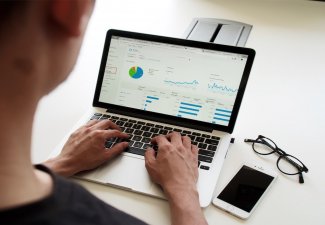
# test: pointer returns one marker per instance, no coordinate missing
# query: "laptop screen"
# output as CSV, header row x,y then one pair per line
x,y
188,82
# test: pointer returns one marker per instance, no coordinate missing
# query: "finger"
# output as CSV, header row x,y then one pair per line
x,y
175,138
160,140
116,150
105,124
107,134
186,142
195,151
149,157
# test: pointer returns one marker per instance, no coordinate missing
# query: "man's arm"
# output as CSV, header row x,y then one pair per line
x,y
175,169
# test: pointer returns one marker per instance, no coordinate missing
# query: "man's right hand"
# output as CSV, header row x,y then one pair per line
x,y
175,169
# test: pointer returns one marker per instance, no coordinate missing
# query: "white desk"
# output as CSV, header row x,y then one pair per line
x,y
284,99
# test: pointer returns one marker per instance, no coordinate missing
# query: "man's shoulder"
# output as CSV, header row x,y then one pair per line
x,y
69,203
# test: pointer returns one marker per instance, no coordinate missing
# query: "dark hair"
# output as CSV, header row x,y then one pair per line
x,y
9,8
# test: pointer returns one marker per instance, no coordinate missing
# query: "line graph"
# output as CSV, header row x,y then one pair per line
x,y
222,88
185,84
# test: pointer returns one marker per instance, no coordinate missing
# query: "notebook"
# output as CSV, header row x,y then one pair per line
x,y
151,85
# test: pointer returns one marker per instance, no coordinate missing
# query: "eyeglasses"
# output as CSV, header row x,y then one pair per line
x,y
286,163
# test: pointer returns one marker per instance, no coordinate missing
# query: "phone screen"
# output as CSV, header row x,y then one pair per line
x,y
246,188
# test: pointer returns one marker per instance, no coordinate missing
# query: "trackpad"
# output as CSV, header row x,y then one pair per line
x,y
126,171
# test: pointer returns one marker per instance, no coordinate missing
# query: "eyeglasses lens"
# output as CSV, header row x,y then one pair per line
x,y
289,164
264,146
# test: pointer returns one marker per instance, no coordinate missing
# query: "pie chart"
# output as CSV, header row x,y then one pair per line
x,y
136,72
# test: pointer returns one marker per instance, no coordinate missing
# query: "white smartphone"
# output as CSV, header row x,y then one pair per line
x,y
245,190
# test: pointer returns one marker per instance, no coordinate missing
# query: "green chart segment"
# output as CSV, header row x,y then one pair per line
x,y
136,72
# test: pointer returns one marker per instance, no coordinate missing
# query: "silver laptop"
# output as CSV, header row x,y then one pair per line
x,y
151,85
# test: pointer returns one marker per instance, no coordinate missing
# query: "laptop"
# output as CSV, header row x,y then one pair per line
x,y
151,85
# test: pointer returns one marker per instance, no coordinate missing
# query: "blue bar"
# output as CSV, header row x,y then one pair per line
x,y
151,97
194,114
189,104
196,110
217,118
148,101
223,110
219,114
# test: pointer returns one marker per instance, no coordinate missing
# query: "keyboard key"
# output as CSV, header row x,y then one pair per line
x,y
177,130
215,138
203,158
120,123
146,140
146,134
108,144
137,138
141,123
206,153
195,143
115,117
199,139
159,126
138,132
186,132
202,145
133,121
134,150
206,136
150,124
137,144
124,119
168,128
145,128
212,142
212,148
154,130
136,126
98,114
163,132
129,130
204,167
192,137
196,134
104,117
145,146
128,124
131,143
94,117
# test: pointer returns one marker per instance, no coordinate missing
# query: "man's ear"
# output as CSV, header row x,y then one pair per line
x,y
71,16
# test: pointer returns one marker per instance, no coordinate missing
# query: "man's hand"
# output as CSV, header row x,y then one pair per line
x,y
85,149
175,168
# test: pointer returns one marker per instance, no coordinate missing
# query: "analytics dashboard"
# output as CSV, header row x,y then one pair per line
x,y
176,80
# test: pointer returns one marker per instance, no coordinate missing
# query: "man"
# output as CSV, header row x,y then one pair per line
x,y
40,42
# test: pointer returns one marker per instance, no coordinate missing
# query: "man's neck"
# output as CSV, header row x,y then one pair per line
x,y
20,183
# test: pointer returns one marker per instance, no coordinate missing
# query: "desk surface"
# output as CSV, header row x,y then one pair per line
x,y
284,99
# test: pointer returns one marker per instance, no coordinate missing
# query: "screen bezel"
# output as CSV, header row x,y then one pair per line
x,y
200,125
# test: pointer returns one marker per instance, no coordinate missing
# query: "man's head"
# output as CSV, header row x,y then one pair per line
x,y
39,42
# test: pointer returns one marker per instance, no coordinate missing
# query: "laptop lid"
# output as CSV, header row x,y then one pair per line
x,y
188,83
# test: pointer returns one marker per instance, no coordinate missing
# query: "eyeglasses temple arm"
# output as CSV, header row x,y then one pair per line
x,y
301,178
249,140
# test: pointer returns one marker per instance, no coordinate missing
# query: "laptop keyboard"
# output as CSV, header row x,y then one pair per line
x,y
141,133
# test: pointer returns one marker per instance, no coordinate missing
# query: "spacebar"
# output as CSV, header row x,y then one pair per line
x,y
134,150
